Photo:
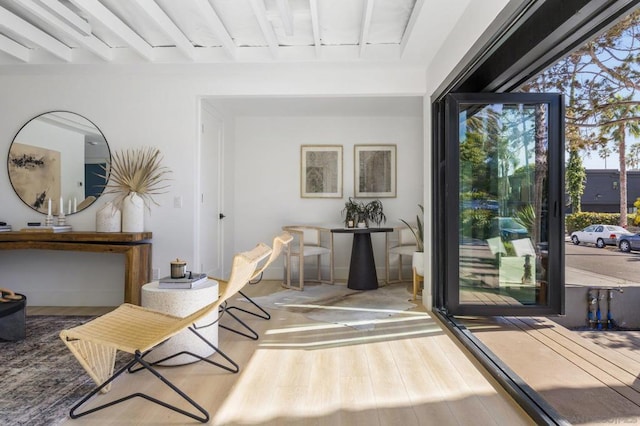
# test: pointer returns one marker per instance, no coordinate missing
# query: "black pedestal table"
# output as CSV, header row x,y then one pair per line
x,y
362,267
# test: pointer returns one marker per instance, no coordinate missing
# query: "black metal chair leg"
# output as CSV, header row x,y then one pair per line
x,y
262,314
252,334
138,359
234,368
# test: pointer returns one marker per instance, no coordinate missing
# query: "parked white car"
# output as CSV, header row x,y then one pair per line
x,y
600,235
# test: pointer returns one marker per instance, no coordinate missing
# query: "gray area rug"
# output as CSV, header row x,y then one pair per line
x,y
40,378
339,305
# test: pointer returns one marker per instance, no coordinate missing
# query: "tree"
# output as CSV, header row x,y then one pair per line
x,y
617,126
633,156
575,178
565,77
588,77
604,152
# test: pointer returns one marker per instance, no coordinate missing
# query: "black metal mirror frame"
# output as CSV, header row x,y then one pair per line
x,y
29,165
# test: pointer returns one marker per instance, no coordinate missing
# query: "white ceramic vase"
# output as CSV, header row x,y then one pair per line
x,y
133,213
418,262
108,218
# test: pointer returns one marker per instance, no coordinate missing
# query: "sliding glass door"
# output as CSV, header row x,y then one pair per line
x,y
502,189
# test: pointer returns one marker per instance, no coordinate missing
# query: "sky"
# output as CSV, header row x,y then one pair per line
x,y
593,161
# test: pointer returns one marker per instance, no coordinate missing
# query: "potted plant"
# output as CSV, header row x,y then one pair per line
x,y
418,233
359,213
351,212
135,176
374,212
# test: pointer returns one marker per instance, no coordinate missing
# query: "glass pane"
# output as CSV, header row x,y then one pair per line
x,y
503,204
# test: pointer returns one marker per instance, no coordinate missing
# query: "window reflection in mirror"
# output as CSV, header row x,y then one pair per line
x,y
59,156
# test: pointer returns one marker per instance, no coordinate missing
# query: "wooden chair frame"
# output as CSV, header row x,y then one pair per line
x,y
405,245
296,249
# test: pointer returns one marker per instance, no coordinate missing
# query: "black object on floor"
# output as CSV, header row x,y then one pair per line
x,y
13,319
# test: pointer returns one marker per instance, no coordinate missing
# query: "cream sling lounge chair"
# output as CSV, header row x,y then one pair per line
x,y
137,330
279,243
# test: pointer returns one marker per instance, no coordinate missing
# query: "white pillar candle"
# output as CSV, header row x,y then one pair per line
x,y
75,204
69,206
61,211
49,208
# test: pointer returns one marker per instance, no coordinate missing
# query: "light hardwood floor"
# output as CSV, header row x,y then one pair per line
x,y
407,371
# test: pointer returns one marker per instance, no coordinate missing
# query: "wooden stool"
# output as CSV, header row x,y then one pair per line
x,y
417,279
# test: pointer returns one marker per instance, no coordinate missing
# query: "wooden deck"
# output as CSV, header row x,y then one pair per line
x,y
407,371
587,377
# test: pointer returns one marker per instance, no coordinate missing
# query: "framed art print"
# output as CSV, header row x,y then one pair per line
x,y
321,171
375,170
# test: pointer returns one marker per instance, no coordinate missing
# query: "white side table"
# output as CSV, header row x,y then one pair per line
x,y
183,302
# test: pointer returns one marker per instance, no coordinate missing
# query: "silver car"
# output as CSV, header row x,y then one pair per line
x,y
627,243
600,235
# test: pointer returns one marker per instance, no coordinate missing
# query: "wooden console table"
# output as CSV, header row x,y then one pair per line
x,y
136,247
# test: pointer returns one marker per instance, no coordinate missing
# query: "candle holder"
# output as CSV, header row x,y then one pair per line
x,y
48,221
62,219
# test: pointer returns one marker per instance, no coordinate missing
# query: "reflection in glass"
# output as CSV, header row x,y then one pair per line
x,y
503,204
58,156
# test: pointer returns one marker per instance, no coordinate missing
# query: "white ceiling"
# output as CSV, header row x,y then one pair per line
x,y
221,31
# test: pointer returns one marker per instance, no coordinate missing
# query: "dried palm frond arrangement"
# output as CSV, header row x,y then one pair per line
x,y
136,170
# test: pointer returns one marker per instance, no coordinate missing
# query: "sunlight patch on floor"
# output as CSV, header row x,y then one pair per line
x,y
342,308
356,339
419,316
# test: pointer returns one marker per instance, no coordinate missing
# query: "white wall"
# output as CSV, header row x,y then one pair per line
x,y
138,107
156,105
478,21
268,176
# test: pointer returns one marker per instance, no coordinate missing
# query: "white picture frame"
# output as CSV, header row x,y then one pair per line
x,y
375,171
321,171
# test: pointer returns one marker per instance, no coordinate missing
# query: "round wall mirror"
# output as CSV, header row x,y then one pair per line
x,y
58,156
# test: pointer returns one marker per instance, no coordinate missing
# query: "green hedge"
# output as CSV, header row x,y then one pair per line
x,y
577,221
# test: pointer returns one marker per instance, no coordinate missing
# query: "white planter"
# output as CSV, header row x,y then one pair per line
x,y
418,262
108,218
133,213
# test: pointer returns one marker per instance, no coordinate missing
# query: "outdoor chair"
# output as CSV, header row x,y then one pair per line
x,y
279,243
137,330
308,241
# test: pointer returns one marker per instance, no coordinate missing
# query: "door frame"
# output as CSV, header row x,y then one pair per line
x,y
205,108
447,232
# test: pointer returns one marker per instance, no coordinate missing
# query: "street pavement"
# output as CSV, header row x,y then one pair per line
x,y
574,276
579,277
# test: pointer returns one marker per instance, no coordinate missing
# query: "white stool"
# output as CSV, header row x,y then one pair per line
x,y
183,302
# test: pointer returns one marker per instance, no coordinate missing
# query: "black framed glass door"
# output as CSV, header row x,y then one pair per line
x,y
502,188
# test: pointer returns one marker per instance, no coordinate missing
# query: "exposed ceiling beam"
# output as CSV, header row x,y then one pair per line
x,y
93,44
315,25
408,31
14,49
214,21
260,12
67,15
286,16
366,24
111,21
16,25
165,23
